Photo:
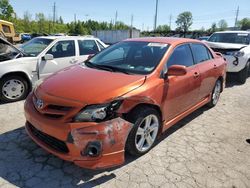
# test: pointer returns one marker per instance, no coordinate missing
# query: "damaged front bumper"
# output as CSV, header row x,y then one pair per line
x,y
88,144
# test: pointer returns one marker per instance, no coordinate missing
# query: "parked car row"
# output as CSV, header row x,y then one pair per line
x,y
39,58
120,99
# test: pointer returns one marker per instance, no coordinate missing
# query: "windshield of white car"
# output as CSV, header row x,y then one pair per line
x,y
7,52
131,57
235,38
35,46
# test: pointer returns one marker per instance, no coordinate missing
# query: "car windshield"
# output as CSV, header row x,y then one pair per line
x,y
35,46
130,57
7,52
236,38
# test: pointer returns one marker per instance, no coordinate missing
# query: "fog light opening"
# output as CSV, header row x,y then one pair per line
x,y
93,149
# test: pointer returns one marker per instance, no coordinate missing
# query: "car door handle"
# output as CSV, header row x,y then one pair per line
x,y
73,61
196,74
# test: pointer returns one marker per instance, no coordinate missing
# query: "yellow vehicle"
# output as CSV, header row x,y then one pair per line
x,y
7,31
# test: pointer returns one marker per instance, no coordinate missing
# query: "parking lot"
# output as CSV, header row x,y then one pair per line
x,y
206,149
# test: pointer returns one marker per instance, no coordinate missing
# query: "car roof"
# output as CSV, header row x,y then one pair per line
x,y
166,40
67,37
243,32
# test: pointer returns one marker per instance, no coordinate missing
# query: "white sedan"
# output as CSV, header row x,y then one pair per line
x,y
39,58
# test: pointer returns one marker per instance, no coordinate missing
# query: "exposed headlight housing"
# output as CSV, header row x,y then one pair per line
x,y
97,113
239,54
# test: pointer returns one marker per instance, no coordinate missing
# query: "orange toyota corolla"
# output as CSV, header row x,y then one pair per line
x,y
122,99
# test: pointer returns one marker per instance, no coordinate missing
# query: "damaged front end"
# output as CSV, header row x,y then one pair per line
x,y
101,145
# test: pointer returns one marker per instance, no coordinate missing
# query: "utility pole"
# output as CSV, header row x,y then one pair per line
x,y
170,21
75,18
156,14
116,16
54,15
131,27
236,17
86,15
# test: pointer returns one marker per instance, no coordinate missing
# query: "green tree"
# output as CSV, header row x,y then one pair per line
x,y
6,10
27,17
41,22
244,23
163,28
184,21
222,24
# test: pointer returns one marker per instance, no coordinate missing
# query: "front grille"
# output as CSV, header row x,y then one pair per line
x,y
53,116
61,108
51,110
52,142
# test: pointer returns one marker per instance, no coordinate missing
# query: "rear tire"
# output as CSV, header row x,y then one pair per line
x,y
142,137
215,94
13,88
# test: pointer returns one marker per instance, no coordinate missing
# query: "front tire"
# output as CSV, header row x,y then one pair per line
x,y
143,135
215,94
243,74
13,88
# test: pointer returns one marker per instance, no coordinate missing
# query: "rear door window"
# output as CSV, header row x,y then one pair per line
x,y
87,47
181,55
201,53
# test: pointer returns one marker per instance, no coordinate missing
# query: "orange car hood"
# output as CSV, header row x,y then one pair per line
x,y
90,86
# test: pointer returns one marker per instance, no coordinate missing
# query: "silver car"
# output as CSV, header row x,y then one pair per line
x,y
21,67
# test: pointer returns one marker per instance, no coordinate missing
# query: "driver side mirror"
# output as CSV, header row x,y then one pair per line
x,y
176,70
47,57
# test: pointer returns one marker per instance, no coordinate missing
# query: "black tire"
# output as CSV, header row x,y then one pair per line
x,y
248,67
214,100
243,74
24,90
137,117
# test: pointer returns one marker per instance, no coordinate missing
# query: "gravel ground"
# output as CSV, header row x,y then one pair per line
x,y
206,149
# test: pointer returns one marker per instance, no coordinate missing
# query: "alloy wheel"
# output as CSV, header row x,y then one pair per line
x,y
146,133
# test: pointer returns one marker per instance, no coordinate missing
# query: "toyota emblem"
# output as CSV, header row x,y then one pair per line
x,y
39,103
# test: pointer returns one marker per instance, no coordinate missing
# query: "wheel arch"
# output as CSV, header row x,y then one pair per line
x,y
21,74
144,105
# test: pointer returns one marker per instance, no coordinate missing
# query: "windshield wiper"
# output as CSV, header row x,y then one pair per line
x,y
106,67
116,69
92,65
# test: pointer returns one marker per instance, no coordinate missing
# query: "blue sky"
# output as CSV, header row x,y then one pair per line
x,y
205,12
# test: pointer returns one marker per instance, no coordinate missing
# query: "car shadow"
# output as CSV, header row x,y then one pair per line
x,y
24,164
231,80
4,103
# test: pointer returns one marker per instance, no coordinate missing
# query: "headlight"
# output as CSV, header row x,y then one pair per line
x,y
97,112
239,54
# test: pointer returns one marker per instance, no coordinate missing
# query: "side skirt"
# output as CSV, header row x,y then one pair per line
x,y
173,121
